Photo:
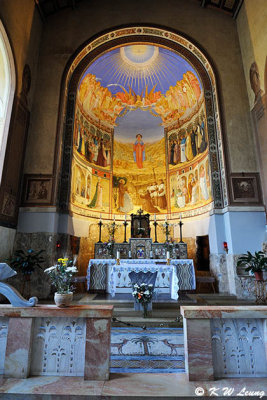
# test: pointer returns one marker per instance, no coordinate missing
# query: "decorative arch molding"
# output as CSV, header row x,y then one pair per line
x,y
127,35
10,75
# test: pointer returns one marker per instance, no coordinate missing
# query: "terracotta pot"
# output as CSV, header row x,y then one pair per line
x,y
63,299
259,275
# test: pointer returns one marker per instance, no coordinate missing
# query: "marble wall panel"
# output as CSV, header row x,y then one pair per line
x,y
58,347
238,348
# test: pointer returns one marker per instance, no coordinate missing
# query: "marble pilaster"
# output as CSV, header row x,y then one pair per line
x,y
18,348
97,349
198,350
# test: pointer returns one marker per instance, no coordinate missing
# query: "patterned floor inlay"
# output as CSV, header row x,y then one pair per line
x,y
153,350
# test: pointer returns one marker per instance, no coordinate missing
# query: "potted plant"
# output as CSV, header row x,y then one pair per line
x,y
61,276
255,263
26,262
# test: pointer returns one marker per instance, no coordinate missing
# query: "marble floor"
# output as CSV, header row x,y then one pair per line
x,y
130,386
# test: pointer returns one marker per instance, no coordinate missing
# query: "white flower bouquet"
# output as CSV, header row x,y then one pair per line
x,y
143,294
61,275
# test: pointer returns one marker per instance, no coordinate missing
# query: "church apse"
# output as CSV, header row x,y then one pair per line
x,y
140,135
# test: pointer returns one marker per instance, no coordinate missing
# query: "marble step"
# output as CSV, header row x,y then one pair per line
x,y
129,304
156,313
150,321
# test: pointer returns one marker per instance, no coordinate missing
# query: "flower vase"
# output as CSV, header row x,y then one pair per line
x,y
63,299
258,275
144,310
144,307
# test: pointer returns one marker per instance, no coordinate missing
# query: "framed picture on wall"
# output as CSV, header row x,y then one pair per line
x,y
37,190
245,188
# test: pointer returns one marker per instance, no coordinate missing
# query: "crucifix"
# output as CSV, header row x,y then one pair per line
x,y
140,212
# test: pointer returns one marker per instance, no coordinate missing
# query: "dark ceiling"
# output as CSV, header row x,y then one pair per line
x,y
50,7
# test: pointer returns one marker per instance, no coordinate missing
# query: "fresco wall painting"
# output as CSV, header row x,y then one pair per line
x,y
140,135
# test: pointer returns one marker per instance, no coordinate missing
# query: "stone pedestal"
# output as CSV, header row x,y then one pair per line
x,y
225,342
50,341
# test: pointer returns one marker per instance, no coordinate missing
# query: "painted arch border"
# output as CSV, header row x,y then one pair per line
x,y
161,36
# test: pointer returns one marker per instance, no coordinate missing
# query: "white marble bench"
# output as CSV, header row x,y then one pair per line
x,y
49,341
225,341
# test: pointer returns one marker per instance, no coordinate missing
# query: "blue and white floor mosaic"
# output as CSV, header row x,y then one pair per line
x,y
153,350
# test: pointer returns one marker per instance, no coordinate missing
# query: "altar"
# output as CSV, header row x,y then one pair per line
x,y
106,275
109,271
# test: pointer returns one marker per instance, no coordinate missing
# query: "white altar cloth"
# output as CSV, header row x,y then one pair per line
x,y
180,274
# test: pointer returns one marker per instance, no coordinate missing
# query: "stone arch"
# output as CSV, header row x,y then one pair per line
x,y
7,90
157,35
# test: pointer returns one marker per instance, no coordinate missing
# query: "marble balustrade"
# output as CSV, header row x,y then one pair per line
x,y
225,342
51,341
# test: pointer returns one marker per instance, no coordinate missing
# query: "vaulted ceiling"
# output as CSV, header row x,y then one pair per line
x,y
50,7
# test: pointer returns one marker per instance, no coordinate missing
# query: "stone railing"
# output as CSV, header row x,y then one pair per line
x,y
47,340
225,341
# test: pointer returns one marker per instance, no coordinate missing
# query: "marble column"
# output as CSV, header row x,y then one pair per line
x,y
198,350
18,348
97,349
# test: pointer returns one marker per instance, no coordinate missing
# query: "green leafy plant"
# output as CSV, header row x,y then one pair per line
x,y
253,263
26,261
61,275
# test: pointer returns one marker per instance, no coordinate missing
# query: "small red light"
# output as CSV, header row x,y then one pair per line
x,y
225,245
58,245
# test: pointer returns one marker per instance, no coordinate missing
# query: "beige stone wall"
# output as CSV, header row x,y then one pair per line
x,y
23,26
67,30
252,31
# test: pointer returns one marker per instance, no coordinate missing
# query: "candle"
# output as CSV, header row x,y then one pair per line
x,y
168,255
180,217
151,254
155,219
130,254
125,217
114,218
118,255
166,219
100,217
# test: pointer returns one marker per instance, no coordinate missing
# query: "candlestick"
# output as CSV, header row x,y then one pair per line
x,y
155,225
168,257
167,231
125,223
181,238
100,223
118,257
